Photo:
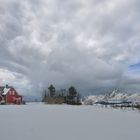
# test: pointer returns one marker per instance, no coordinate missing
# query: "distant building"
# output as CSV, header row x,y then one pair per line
x,y
53,96
52,90
61,96
8,95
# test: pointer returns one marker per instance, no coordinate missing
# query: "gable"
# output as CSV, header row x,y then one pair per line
x,y
12,92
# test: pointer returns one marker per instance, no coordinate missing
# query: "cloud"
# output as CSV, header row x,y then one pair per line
x,y
89,44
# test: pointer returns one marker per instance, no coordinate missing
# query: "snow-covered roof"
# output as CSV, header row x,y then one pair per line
x,y
5,91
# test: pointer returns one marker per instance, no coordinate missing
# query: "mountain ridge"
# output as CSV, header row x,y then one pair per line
x,y
115,96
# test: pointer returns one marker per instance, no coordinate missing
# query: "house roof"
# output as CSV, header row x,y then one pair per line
x,y
5,91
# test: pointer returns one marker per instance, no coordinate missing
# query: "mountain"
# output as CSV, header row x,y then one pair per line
x,y
115,96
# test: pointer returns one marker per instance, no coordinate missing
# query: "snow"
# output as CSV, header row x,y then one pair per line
x,y
115,96
5,91
66,122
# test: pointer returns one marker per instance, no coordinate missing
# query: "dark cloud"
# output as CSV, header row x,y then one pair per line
x,y
89,44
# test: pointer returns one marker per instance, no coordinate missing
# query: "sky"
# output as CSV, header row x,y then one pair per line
x,y
93,45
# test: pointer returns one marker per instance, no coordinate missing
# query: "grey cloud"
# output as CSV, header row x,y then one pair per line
x,y
88,44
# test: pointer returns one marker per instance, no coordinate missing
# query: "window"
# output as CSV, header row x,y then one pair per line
x,y
10,92
13,92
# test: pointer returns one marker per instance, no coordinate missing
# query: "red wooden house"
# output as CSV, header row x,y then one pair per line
x,y
8,95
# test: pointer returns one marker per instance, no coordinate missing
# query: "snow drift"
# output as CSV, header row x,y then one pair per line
x,y
66,122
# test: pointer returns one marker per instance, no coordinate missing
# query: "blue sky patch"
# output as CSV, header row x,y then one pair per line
x,y
134,68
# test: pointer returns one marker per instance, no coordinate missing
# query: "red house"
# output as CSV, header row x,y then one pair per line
x,y
8,95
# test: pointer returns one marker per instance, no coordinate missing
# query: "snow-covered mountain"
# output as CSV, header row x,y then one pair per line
x,y
114,96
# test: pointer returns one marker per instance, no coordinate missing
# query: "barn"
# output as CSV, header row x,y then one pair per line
x,y
8,95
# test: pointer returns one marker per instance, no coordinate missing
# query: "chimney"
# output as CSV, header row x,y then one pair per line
x,y
6,86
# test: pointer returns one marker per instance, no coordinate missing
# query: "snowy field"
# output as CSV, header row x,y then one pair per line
x,y
65,122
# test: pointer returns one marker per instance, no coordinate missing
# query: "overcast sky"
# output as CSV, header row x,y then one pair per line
x,y
91,44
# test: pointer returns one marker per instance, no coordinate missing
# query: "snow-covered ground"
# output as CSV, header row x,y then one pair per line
x,y
66,122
